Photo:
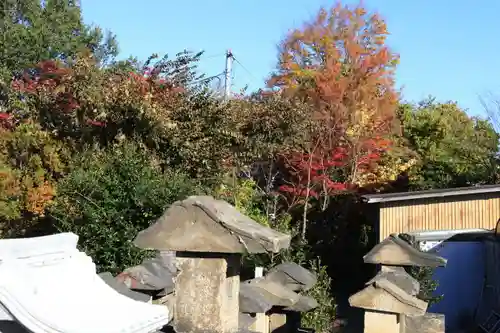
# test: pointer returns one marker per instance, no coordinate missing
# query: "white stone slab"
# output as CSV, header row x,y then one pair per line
x,y
60,292
29,247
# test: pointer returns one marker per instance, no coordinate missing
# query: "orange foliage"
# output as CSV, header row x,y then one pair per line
x,y
339,63
38,197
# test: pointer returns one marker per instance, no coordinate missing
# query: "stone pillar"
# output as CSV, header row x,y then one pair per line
x,y
380,322
206,293
277,323
261,324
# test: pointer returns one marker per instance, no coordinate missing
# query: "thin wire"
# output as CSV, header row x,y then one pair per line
x,y
209,78
212,56
245,69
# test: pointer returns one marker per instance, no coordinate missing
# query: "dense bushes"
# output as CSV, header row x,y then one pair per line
x,y
111,195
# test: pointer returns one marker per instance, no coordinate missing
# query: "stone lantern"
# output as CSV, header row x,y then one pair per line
x,y
208,236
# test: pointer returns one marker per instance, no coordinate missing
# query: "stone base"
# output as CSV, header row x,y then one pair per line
x,y
269,323
381,322
428,323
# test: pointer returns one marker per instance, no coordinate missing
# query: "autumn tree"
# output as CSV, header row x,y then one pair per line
x,y
340,65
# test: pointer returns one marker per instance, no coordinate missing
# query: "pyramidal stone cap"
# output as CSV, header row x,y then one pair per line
x,y
385,296
205,224
293,276
399,277
394,251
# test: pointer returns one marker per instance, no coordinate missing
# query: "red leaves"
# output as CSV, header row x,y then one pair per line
x,y
48,66
298,191
49,79
315,175
49,74
337,158
6,120
67,102
309,175
95,123
339,63
160,89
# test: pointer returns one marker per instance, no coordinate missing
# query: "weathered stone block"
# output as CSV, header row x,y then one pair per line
x,y
304,304
152,274
253,299
261,324
122,288
206,294
245,321
275,293
428,323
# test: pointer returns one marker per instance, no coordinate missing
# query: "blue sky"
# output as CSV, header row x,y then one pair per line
x,y
448,48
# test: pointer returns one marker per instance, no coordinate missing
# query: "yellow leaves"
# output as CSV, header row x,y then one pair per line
x,y
10,192
39,197
9,184
361,123
406,166
339,63
386,171
243,194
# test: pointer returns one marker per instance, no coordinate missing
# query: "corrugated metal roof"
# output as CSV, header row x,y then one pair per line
x,y
401,196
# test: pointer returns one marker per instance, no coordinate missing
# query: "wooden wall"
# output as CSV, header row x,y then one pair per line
x,y
449,213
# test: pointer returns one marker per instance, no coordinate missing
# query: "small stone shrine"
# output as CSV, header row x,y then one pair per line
x,y
276,296
208,236
390,298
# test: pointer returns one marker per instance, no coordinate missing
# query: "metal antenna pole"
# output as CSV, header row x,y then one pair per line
x,y
228,72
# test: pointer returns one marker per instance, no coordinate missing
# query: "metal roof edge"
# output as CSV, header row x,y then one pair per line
x,y
402,196
443,235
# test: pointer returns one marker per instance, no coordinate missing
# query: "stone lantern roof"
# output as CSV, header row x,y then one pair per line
x,y
205,224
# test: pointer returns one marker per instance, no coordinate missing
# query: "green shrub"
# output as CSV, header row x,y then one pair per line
x,y
322,317
428,285
109,196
